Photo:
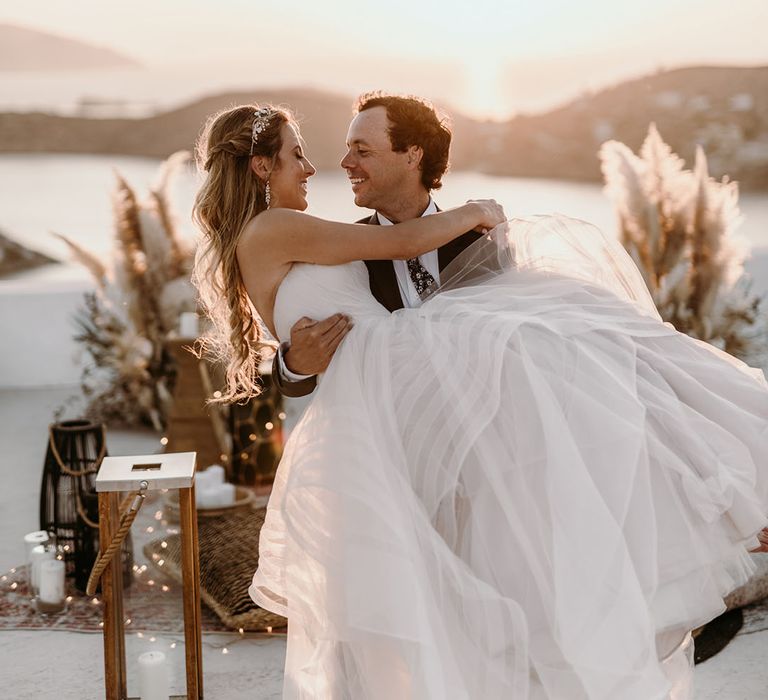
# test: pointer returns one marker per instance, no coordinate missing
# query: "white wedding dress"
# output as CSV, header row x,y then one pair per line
x,y
514,490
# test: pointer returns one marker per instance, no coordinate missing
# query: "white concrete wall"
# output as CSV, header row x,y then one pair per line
x,y
36,332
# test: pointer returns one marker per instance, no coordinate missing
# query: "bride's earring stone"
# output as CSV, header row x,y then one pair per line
x,y
267,194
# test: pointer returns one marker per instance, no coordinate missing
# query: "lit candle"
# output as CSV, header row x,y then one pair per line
x,y
188,326
153,676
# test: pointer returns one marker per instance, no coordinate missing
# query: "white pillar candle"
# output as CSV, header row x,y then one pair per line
x,y
153,676
39,554
205,497
225,494
188,325
214,474
202,480
51,576
32,540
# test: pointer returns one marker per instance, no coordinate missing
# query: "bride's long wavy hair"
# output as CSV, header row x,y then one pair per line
x,y
230,196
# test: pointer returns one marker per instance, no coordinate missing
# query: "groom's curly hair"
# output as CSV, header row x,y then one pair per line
x,y
415,122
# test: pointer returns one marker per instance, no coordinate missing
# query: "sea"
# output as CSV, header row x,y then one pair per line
x,y
43,194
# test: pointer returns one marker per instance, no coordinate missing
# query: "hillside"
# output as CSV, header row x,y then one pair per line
x,y
324,118
23,49
723,108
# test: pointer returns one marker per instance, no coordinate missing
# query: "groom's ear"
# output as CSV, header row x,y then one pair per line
x,y
415,154
261,165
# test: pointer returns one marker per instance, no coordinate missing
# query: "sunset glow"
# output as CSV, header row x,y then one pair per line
x,y
488,58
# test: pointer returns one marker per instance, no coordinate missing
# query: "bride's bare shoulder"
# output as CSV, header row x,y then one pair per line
x,y
264,241
270,222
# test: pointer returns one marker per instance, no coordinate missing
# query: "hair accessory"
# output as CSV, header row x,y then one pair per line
x,y
261,119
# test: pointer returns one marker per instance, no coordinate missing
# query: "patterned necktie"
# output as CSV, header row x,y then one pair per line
x,y
419,275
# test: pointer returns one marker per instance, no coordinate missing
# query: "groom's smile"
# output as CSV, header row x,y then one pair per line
x,y
376,172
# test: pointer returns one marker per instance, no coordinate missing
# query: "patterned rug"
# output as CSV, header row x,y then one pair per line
x,y
152,603
151,608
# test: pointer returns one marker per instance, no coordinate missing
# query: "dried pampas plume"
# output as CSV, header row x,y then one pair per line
x,y
680,227
142,289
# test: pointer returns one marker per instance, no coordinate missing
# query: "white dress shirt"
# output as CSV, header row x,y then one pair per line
x,y
429,260
405,284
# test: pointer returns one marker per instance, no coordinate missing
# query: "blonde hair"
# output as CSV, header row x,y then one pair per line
x,y
231,195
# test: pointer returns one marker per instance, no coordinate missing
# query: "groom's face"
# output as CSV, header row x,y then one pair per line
x,y
379,175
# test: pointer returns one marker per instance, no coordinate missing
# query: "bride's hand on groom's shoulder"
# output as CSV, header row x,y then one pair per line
x,y
313,343
491,214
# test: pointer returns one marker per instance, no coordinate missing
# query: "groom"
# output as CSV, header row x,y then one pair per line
x,y
397,153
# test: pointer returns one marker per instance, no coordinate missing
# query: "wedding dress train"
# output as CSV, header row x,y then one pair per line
x,y
514,490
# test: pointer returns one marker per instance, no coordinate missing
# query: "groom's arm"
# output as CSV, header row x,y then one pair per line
x,y
313,344
288,383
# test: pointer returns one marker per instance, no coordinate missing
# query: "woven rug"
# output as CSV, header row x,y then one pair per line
x,y
150,608
152,603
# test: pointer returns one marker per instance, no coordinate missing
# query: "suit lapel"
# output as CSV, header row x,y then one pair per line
x,y
383,280
447,253
381,273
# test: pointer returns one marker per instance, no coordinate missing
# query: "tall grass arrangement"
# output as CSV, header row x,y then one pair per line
x,y
140,292
680,227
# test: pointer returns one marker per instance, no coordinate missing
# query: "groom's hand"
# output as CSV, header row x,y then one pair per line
x,y
314,342
762,536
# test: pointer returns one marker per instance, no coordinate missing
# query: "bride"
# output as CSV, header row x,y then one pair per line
x,y
515,490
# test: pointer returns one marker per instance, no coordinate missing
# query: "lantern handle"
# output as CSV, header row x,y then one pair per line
x,y
129,509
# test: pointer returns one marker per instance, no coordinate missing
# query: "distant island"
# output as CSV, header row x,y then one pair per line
x,y
725,109
23,49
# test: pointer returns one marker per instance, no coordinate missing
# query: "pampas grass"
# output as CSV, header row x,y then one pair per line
x,y
680,227
141,291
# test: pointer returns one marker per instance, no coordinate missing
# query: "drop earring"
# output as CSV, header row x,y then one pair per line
x,y
267,194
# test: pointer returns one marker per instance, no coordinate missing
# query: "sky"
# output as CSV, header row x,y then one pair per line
x,y
485,58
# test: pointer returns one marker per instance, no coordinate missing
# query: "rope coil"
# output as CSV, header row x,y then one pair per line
x,y
128,510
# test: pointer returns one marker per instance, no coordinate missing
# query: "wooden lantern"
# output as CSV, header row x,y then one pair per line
x,y
140,474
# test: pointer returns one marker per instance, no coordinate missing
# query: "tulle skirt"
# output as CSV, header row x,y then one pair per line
x,y
515,490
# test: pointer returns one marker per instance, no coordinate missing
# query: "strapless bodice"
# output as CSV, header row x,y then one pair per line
x,y
319,291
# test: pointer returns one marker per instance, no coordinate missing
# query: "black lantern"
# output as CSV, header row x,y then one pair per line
x,y
69,505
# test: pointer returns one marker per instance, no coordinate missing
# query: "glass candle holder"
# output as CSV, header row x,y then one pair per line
x,y
51,596
39,553
32,540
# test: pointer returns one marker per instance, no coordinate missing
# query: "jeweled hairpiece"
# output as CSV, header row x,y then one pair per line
x,y
261,119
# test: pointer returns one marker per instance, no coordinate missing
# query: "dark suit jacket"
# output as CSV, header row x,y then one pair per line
x,y
384,287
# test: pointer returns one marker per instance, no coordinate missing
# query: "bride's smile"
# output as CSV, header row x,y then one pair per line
x,y
288,178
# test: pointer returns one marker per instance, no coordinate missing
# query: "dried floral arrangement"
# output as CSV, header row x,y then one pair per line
x,y
140,293
680,226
